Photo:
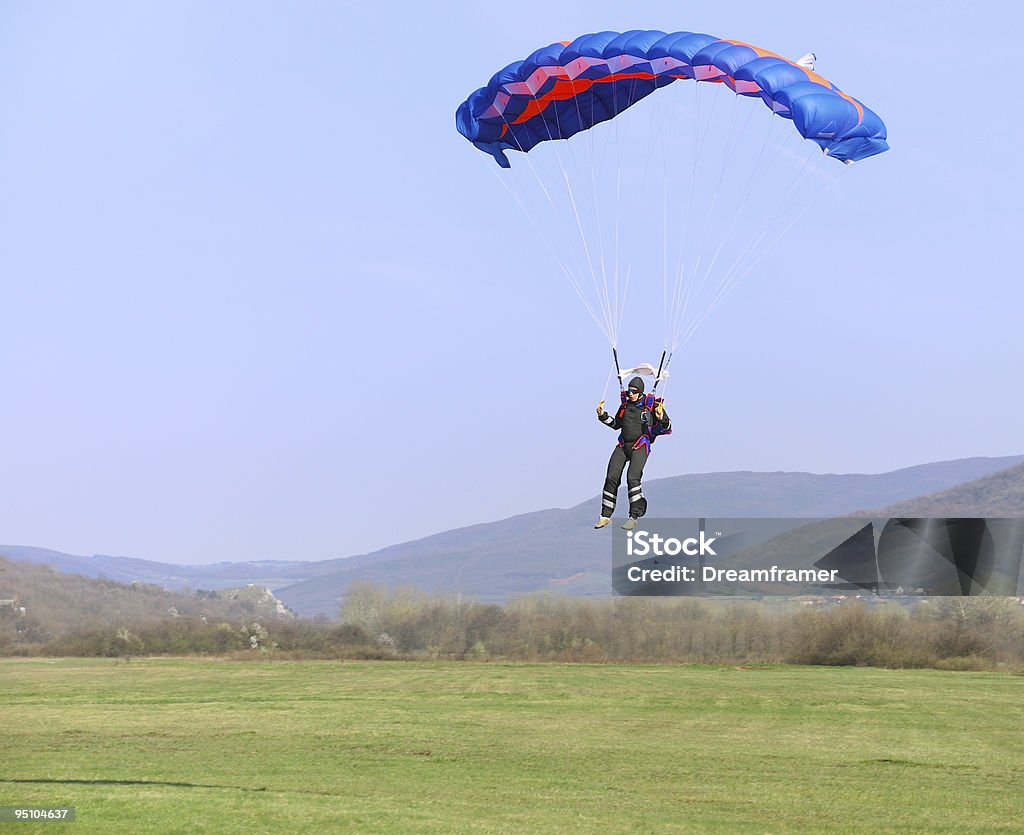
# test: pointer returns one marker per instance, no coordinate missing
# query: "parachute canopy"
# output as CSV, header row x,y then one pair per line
x,y
690,186
569,87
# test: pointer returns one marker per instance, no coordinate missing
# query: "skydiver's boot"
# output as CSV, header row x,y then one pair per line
x,y
637,502
629,524
604,520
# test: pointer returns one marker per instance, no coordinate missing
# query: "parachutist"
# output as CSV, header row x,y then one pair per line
x,y
640,420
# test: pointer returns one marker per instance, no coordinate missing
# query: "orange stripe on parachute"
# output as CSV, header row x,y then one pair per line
x,y
566,89
813,76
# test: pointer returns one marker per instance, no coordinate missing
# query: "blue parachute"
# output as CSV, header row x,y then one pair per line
x,y
569,87
636,200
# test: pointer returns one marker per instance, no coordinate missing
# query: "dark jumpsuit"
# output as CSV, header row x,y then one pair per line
x,y
631,425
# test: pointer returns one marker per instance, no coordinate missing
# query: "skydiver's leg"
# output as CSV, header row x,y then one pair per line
x,y
616,464
637,502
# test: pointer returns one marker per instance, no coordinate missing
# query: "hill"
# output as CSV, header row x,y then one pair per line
x,y
39,604
558,549
221,575
999,495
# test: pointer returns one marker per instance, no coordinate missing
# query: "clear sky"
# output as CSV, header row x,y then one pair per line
x,y
261,301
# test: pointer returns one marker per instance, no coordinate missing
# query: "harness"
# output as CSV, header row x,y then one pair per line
x,y
650,429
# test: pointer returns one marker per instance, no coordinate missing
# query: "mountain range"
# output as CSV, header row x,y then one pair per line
x,y
557,549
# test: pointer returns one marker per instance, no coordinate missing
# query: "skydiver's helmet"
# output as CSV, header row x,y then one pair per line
x,y
637,385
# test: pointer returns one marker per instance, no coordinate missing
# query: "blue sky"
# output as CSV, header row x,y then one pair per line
x,y
261,301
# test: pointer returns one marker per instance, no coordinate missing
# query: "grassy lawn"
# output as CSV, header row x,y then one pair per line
x,y
192,745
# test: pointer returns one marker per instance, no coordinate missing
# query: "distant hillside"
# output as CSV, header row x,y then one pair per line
x,y
559,550
56,603
1000,494
221,575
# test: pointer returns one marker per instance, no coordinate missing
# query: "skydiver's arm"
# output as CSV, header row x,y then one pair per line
x,y
663,419
608,420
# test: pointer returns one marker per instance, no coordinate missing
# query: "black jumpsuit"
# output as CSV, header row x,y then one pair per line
x,y
632,425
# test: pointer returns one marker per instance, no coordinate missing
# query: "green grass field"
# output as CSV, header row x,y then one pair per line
x,y
191,745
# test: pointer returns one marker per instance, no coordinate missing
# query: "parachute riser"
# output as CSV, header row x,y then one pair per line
x,y
667,362
657,377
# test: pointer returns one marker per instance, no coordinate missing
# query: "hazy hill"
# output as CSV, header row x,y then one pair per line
x,y
558,549
1000,494
222,575
56,603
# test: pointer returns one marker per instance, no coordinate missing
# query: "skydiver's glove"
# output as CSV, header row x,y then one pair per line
x,y
659,410
600,409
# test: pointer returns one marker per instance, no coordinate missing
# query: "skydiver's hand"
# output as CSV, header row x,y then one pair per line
x,y
600,409
659,411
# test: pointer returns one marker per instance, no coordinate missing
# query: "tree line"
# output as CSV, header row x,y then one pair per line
x,y
375,622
